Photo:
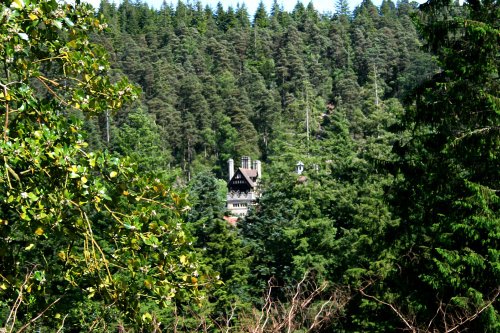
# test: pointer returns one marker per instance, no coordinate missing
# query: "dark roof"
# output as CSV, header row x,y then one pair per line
x,y
249,177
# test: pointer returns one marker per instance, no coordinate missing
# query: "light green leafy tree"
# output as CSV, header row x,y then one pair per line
x,y
75,225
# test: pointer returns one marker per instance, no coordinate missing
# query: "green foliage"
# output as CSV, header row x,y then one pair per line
x,y
139,138
87,229
219,244
76,225
446,248
226,87
324,90
329,219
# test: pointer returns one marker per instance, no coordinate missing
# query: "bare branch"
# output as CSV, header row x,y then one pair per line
x,y
291,312
308,306
62,325
451,321
13,312
435,316
25,326
7,109
477,312
392,307
229,319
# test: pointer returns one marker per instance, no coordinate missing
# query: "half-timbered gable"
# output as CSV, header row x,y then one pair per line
x,y
244,180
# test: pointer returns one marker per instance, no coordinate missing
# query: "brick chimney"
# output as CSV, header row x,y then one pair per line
x,y
246,162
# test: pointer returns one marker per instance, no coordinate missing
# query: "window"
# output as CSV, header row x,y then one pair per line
x,y
238,205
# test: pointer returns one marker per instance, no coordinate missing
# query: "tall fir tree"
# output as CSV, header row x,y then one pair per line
x,y
444,257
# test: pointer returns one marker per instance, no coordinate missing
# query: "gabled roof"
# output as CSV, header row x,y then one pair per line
x,y
243,180
250,175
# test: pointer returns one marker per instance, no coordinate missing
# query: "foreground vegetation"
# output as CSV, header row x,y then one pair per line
x,y
111,200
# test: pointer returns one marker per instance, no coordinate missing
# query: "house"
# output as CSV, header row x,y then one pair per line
x,y
243,186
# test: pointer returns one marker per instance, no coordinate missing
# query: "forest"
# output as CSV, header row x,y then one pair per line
x,y
118,122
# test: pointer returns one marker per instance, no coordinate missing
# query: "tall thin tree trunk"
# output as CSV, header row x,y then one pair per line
x,y
376,86
307,120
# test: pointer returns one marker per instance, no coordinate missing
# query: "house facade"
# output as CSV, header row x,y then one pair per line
x,y
243,185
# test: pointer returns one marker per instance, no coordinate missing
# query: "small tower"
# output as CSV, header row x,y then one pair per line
x,y
299,167
258,167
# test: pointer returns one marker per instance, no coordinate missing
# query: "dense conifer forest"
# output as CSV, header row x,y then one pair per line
x,y
118,123
228,84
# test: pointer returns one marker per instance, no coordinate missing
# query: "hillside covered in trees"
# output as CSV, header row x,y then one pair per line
x,y
229,85
118,124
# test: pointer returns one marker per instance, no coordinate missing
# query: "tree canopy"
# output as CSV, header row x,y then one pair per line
x,y
118,123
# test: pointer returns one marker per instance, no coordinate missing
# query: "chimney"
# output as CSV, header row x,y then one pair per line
x,y
230,163
246,162
258,167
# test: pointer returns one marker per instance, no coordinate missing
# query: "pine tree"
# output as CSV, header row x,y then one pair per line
x,y
342,8
219,244
261,19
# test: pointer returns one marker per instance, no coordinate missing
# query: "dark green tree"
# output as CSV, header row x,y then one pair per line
x,y
342,8
139,138
219,245
441,268
261,19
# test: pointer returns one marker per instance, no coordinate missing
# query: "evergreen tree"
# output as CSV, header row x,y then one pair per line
x,y
444,259
342,8
139,138
219,244
261,19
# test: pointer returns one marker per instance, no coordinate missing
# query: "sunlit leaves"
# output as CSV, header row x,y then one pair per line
x,y
77,220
